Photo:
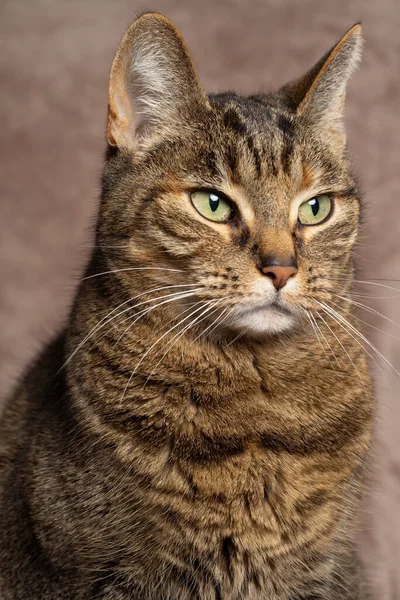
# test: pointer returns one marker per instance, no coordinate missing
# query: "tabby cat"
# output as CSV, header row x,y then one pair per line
x,y
200,428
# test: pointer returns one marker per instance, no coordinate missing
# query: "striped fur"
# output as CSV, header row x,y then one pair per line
x,y
143,459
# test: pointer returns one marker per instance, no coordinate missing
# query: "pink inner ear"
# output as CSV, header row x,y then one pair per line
x,y
152,81
121,118
324,86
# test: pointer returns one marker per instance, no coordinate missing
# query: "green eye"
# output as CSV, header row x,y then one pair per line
x,y
315,211
212,205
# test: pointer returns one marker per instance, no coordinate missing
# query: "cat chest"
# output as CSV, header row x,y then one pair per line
x,y
247,525
219,479
253,507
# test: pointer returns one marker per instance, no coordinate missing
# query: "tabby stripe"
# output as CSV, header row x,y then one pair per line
x,y
232,120
204,449
345,430
174,234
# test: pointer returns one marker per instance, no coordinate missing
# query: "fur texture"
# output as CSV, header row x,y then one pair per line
x,y
195,433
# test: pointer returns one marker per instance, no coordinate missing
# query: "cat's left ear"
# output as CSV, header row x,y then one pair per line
x,y
153,84
319,95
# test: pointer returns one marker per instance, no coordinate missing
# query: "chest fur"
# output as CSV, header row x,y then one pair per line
x,y
252,474
235,461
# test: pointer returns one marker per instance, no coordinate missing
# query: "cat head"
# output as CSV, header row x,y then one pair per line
x,y
245,206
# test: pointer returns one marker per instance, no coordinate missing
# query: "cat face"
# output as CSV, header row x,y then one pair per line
x,y
246,205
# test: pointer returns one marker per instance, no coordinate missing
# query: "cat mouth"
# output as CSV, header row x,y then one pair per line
x,y
281,308
268,306
264,318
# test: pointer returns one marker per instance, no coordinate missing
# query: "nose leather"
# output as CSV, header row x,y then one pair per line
x,y
279,274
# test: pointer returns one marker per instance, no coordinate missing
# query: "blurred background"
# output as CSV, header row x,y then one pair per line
x,y
54,62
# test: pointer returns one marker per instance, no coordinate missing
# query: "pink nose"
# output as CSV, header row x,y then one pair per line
x,y
279,274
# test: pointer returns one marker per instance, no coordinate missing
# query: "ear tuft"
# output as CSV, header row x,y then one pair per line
x,y
152,81
319,95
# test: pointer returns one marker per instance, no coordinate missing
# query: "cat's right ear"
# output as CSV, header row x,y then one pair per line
x,y
153,84
319,95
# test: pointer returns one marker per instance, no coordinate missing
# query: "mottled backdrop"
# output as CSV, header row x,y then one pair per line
x,y
54,62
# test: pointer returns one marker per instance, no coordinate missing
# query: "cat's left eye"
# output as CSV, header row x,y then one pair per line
x,y
316,210
212,205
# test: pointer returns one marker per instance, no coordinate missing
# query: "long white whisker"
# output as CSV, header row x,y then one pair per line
x,y
157,289
111,246
325,340
140,314
343,348
219,320
388,287
213,325
359,295
152,346
164,287
147,310
360,281
361,336
318,333
196,320
131,269
369,309
100,325
369,324
178,335
350,334
200,319
239,335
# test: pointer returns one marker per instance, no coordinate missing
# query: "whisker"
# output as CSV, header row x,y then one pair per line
x,y
362,282
199,319
369,309
361,336
311,318
369,325
219,321
213,325
382,279
141,313
164,287
239,335
343,348
100,325
147,310
358,295
152,346
131,269
317,329
177,336
111,246
350,334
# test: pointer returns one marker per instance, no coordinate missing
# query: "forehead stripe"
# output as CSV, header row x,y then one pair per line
x,y
287,128
255,153
233,121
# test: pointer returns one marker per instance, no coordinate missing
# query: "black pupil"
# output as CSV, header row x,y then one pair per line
x,y
314,203
214,202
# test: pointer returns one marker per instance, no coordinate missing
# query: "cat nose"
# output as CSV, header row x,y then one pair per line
x,y
279,274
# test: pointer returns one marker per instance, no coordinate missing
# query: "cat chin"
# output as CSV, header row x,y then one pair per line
x,y
268,320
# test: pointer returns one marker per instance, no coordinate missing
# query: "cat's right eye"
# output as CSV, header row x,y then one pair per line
x,y
316,210
212,205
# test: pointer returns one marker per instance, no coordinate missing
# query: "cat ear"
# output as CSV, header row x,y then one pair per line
x,y
153,83
319,95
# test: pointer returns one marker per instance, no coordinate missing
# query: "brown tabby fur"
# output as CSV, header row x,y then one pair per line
x,y
220,464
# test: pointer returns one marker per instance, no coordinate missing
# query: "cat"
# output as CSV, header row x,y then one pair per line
x,y
199,430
